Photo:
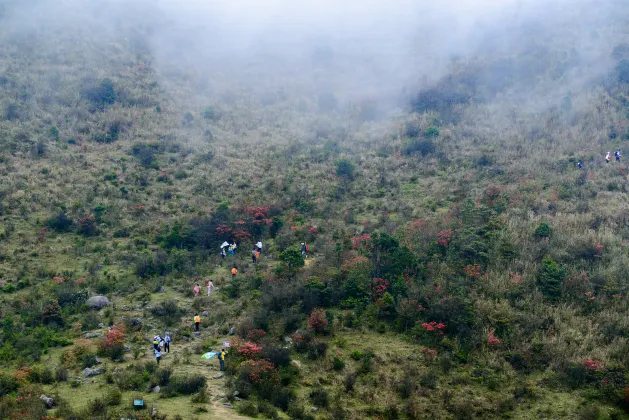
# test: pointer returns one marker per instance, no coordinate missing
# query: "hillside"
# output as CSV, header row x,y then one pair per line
x,y
460,263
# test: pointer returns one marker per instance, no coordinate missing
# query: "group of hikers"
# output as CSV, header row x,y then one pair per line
x,y
617,156
196,289
161,345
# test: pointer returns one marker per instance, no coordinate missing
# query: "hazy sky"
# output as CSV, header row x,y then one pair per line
x,y
374,47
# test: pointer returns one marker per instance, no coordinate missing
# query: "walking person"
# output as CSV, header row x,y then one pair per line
x,y
197,321
617,155
607,157
580,165
210,286
156,343
196,290
223,253
234,272
158,356
221,359
304,250
254,254
259,246
167,341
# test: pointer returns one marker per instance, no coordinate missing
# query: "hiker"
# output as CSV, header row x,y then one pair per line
x,y
221,359
231,250
607,157
234,272
196,290
223,253
254,253
158,355
167,341
197,321
617,155
304,249
210,286
580,165
259,246
155,343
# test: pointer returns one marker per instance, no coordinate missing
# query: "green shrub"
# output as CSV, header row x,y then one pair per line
x,y
350,381
8,384
184,384
113,397
267,410
248,408
431,132
101,94
201,397
345,169
317,350
167,311
543,230
338,364
209,114
320,397
97,407
60,223
429,380
423,147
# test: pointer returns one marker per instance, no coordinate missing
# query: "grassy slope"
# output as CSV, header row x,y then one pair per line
x,y
262,154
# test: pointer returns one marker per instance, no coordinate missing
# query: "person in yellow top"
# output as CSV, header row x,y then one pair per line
x,y
221,359
234,272
197,321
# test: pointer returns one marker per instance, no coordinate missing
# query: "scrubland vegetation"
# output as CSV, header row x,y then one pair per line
x,y
460,265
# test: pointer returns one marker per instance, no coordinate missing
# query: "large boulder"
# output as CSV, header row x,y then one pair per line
x,y
97,302
93,372
49,402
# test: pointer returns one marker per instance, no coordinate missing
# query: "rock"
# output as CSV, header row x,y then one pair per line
x,y
232,331
314,409
205,313
136,323
101,325
127,349
236,393
219,376
97,302
156,389
237,399
228,405
93,335
101,313
93,372
288,340
47,400
161,289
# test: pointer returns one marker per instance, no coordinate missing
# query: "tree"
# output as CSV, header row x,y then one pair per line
x,y
550,277
345,169
292,258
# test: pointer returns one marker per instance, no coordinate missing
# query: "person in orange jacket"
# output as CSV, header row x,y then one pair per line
x,y
234,272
